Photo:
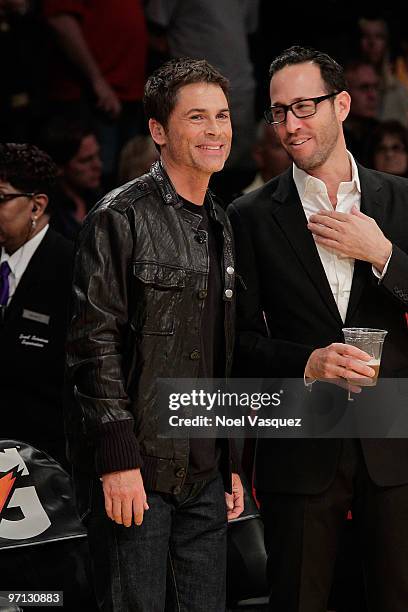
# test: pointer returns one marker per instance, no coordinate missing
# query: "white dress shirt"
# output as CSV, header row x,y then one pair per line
x,y
314,197
20,259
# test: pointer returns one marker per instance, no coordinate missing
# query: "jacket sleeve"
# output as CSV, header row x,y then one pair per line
x,y
257,352
395,280
97,339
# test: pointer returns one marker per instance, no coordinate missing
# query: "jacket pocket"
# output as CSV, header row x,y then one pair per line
x,y
157,297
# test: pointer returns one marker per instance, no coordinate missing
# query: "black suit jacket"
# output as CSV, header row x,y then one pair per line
x,y
284,277
32,348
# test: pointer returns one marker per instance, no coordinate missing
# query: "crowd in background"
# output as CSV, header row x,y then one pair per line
x,y
73,74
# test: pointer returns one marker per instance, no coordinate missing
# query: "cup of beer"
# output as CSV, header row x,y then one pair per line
x,y
370,341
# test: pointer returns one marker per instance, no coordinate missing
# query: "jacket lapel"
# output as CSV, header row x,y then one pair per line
x,y
292,220
33,274
372,206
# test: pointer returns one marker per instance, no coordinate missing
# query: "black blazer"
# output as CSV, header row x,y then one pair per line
x,y
32,348
284,277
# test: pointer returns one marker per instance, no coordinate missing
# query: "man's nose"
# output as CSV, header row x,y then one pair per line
x,y
212,126
292,122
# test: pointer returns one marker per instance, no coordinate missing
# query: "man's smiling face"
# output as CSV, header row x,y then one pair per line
x,y
309,141
198,134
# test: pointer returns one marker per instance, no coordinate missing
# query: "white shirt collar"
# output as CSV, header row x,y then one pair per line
x,y
20,259
306,183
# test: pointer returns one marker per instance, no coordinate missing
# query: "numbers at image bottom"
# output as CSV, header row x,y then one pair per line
x,y
32,598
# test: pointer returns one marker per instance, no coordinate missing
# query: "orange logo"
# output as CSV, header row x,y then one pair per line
x,y
6,486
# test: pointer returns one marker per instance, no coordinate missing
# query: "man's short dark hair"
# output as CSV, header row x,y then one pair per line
x,y
331,72
27,168
160,92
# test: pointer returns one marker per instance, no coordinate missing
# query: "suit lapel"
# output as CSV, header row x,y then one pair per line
x,y
372,206
292,220
33,275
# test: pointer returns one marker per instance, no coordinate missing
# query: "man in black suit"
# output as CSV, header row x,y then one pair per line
x,y
35,282
320,247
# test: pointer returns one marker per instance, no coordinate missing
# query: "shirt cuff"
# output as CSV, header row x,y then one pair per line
x,y
377,273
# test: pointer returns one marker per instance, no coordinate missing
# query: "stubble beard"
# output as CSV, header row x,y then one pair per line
x,y
321,155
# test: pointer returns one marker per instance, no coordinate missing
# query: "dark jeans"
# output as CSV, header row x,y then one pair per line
x,y
303,535
175,561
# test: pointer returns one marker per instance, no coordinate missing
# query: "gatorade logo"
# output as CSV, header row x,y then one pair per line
x,y
34,519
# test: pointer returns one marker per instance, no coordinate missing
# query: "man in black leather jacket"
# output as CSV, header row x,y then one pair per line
x,y
154,286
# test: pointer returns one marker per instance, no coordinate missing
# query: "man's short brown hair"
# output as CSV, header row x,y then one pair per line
x,y
161,89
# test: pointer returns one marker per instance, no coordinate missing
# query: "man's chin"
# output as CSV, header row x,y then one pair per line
x,y
304,163
216,166
308,163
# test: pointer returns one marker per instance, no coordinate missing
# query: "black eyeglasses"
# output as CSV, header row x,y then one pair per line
x,y
6,197
301,109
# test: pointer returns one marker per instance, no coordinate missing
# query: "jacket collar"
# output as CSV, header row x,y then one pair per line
x,y
372,201
33,276
291,218
373,205
168,192
164,185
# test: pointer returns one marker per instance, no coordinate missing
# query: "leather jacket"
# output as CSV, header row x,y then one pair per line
x,y
140,281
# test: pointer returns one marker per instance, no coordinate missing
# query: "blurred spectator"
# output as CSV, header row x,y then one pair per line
x,y
218,31
374,48
270,157
35,281
401,62
23,52
389,146
363,86
101,67
136,158
73,146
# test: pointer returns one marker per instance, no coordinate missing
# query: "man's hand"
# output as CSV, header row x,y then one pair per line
x,y
354,235
338,361
235,500
125,497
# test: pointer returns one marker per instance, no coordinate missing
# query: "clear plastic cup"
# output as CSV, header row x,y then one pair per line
x,y
370,341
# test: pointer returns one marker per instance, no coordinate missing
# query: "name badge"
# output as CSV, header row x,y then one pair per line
x,y
36,316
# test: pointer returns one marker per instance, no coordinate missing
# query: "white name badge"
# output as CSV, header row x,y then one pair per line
x,y
36,316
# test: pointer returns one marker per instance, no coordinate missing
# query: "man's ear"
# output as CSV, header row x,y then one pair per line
x,y
343,103
157,132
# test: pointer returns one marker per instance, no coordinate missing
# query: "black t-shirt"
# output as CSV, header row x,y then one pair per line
x,y
204,452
